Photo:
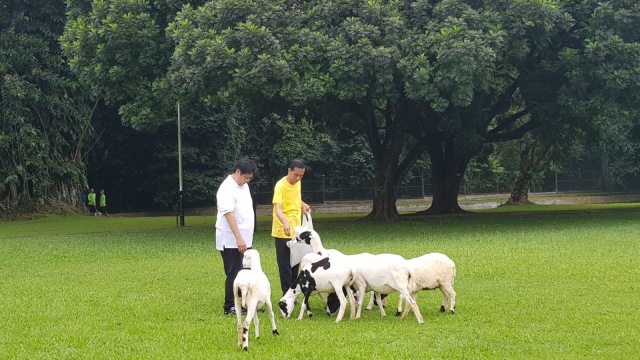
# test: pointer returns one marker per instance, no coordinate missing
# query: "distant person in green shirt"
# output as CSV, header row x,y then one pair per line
x,y
91,201
103,204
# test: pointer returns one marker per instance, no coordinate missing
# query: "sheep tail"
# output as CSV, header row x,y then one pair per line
x,y
243,292
453,278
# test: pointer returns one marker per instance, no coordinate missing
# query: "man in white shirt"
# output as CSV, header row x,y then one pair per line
x,y
234,224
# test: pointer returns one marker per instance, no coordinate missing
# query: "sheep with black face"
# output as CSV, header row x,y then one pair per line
x,y
323,276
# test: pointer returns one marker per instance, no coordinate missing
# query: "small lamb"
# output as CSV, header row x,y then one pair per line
x,y
252,291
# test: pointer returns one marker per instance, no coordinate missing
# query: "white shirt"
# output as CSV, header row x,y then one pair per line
x,y
232,197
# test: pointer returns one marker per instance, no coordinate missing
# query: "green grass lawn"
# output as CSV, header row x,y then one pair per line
x,y
552,283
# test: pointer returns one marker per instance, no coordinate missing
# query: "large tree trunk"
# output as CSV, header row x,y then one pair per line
x,y
392,156
520,193
384,197
534,157
447,170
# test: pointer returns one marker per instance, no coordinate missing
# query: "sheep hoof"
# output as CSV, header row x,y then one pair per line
x,y
452,312
442,309
275,332
398,313
246,348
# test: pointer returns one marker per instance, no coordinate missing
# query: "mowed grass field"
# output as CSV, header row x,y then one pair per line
x,y
540,282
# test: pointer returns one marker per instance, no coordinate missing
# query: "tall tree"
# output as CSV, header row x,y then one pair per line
x,y
120,51
442,76
44,118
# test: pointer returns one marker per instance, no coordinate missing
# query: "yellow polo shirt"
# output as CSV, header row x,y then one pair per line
x,y
290,196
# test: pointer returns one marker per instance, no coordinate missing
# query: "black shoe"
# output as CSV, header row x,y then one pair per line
x,y
232,311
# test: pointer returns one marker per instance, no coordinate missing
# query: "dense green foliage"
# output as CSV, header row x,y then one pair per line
x,y
120,52
445,76
44,120
370,91
538,286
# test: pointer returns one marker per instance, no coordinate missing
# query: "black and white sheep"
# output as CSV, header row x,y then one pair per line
x,y
252,291
323,276
332,303
383,273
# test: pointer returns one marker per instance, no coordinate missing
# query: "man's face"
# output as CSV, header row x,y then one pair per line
x,y
295,175
242,179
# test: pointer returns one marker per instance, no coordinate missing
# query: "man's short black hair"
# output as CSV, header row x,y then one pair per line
x,y
246,166
297,163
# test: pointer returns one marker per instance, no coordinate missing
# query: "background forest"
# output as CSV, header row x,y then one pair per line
x,y
470,96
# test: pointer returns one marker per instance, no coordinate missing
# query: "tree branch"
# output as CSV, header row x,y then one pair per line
x,y
508,122
514,134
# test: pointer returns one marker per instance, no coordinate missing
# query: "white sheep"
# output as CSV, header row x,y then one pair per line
x,y
384,273
432,271
324,276
252,291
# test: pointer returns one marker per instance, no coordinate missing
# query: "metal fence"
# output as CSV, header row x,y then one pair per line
x,y
349,189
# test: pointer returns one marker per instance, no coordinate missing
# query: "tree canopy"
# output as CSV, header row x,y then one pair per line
x,y
281,79
443,77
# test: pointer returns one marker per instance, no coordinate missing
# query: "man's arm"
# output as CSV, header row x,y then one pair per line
x,y
283,219
233,225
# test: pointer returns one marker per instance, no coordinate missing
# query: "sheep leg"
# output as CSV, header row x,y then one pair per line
x,y
405,312
370,304
411,302
303,306
241,333
245,338
272,318
379,300
360,289
343,302
309,312
324,301
352,301
251,315
449,298
256,321
399,309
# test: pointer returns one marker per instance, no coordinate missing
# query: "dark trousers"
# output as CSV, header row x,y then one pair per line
x,y
288,274
232,260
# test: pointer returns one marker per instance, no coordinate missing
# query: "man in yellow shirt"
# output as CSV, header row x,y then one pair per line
x,y
287,214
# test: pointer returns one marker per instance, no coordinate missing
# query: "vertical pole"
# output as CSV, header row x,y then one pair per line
x,y
324,198
180,167
422,183
556,182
